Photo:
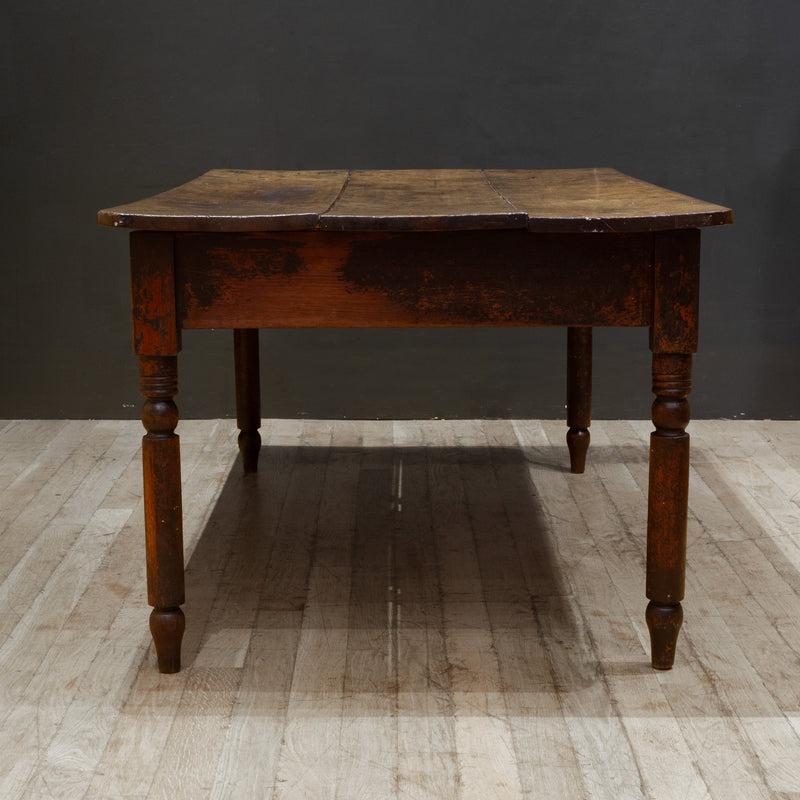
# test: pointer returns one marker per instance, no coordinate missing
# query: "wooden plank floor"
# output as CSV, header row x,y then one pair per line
x,y
398,610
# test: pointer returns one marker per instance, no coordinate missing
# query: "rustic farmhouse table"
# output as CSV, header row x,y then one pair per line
x,y
416,248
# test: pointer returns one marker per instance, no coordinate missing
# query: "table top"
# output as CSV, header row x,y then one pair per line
x,y
555,201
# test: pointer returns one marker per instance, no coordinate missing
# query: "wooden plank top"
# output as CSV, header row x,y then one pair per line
x,y
235,200
556,201
420,199
591,200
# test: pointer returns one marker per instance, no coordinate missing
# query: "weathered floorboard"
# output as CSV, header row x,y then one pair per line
x,y
421,609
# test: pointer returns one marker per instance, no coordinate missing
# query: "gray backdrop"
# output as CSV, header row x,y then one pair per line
x,y
106,104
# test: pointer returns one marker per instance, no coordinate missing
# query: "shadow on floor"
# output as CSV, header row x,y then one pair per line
x,y
387,547
414,569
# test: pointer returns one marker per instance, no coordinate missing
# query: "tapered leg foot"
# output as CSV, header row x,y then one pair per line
x,y
664,623
578,445
248,395
579,396
167,626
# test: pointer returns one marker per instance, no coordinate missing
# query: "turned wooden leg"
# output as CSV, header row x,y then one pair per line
x,y
162,507
579,395
667,504
248,395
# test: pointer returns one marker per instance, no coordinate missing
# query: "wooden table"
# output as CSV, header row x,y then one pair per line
x,y
416,248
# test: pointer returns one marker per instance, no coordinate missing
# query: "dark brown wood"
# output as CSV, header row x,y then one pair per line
x,y
167,626
248,395
235,200
676,287
579,248
673,338
468,278
420,200
667,508
163,518
600,201
579,396
546,201
155,326
664,623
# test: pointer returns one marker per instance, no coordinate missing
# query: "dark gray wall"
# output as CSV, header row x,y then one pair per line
x,y
109,103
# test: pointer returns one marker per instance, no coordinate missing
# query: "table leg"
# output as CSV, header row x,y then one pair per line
x,y
248,395
162,507
579,395
667,504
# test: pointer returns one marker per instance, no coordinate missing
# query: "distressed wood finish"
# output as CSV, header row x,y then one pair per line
x,y
600,201
248,395
155,325
673,339
162,507
470,278
156,340
676,277
667,504
234,200
579,396
420,200
417,248
546,201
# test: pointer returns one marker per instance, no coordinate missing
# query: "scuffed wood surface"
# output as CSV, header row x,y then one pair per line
x,y
325,279
234,199
600,200
565,201
420,199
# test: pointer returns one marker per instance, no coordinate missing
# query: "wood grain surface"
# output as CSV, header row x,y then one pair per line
x,y
598,200
420,199
232,199
566,200
416,609
469,278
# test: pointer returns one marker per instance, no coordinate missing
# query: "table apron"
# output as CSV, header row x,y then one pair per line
x,y
467,278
